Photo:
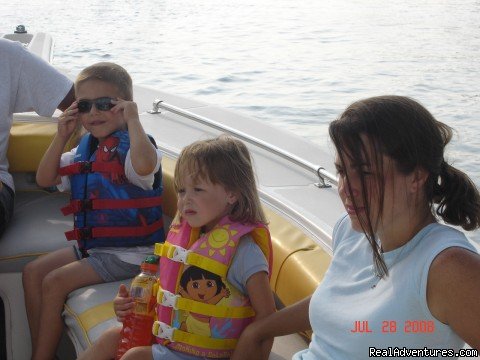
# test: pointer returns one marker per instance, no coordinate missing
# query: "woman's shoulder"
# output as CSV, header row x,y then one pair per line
x,y
452,246
441,237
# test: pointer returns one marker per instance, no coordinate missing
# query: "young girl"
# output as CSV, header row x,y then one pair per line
x,y
220,227
398,278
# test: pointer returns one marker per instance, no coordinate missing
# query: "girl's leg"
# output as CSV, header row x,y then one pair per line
x,y
55,287
33,275
138,353
105,348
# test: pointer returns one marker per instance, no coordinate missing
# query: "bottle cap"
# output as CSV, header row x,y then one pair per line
x,y
150,263
152,259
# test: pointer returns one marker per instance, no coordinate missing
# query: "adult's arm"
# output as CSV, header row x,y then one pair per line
x,y
453,292
68,99
41,87
261,298
258,334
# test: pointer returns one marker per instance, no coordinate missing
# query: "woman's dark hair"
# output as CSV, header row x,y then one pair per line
x,y
404,130
193,273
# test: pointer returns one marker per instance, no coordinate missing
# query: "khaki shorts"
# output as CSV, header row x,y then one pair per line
x,y
109,267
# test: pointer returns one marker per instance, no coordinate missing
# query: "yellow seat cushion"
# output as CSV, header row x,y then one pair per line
x,y
28,142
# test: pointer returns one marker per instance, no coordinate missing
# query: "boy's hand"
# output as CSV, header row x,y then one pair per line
x,y
142,151
129,109
68,121
123,303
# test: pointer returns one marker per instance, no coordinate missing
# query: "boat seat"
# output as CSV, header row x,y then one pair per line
x,y
89,312
35,133
37,227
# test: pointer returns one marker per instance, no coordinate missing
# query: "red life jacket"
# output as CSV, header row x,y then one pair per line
x,y
108,210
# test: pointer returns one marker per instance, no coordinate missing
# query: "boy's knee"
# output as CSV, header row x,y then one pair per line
x,y
53,282
138,353
110,337
30,273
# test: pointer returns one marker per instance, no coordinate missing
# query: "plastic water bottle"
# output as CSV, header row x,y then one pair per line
x,y
137,327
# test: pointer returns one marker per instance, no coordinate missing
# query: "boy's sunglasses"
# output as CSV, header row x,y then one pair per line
x,y
102,104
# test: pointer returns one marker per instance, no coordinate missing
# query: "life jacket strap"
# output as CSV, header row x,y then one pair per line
x,y
168,299
164,331
84,167
113,231
79,205
179,254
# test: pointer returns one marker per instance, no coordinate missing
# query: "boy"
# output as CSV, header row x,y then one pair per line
x,y
115,182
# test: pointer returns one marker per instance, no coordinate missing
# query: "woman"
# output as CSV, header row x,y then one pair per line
x,y
398,277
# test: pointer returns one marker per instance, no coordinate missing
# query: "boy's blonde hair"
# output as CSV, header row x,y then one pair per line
x,y
225,161
110,73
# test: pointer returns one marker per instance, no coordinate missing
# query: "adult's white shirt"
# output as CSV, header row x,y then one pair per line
x,y
27,83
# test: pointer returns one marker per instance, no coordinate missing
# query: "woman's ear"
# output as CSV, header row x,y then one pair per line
x,y
418,180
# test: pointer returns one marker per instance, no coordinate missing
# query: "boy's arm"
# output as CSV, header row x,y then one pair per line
x,y
142,151
47,172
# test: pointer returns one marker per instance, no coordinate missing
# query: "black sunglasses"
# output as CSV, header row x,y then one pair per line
x,y
102,104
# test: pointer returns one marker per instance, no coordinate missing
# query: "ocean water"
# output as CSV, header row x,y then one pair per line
x,y
292,64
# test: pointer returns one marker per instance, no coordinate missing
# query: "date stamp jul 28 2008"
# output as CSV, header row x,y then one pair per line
x,y
393,326
407,326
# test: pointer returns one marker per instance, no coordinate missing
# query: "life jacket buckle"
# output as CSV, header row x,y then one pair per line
x,y
87,204
162,330
86,167
84,233
178,254
169,299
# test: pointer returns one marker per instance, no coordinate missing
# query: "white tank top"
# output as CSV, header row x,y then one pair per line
x,y
351,312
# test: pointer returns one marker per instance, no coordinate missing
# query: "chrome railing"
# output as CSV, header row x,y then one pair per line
x,y
325,178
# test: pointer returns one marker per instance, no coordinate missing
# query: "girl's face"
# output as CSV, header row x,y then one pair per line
x,y
202,289
203,204
99,123
397,197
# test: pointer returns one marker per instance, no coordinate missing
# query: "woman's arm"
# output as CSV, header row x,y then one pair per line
x,y
289,320
261,298
257,339
453,292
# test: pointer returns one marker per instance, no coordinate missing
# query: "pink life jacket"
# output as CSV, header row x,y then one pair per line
x,y
199,312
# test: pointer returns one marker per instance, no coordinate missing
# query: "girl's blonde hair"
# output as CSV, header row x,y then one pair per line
x,y
226,161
